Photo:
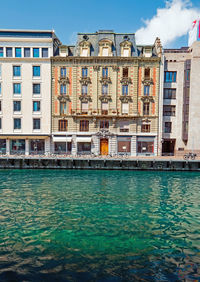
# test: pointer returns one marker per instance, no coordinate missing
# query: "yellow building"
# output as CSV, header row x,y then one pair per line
x,y
105,96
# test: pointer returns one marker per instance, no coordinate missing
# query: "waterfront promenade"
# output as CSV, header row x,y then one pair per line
x,y
52,161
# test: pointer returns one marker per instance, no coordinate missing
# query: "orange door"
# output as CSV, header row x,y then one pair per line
x,y
104,146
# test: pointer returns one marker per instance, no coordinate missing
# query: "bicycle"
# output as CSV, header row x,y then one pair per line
x,y
190,155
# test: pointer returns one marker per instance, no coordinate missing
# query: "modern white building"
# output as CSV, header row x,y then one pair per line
x,y
25,90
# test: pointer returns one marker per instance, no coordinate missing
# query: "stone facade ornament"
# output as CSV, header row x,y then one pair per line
x,y
96,68
85,80
126,80
115,68
105,98
85,98
64,80
147,81
63,98
125,98
104,133
147,99
105,80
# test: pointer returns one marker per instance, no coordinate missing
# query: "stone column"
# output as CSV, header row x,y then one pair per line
x,y
27,147
47,145
7,147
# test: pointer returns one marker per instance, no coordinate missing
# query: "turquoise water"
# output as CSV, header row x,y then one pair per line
x,y
99,226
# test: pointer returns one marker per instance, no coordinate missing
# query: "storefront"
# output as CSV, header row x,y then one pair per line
x,y
145,146
62,144
17,146
124,145
2,146
83,145
36,146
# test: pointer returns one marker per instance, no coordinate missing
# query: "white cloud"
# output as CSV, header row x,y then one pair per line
x,y
169,23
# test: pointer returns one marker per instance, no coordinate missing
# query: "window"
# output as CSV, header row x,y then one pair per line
x,y
105,52
84,72
0,106
105,72
0,124
147,73
168,127
8,51
146,90
36,88
63,108
27,52
84,108
62,125
36,106
0,88
169,110
1,51
0,70
84,52
146,109
36,123
145,147
63,72
169,93
145,128
16,106
17,88
187,75
104,108
84,125
36,70
105,89
84,89
125,108
126,52
45,53
63,89
124,90
18,52
104,124
17,123
125,72
124,126
16,71
36,52
170,76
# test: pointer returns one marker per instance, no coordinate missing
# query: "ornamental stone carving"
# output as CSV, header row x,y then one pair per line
x,y
104,133
105,98
85,98
105,80
96,68
63,98
147,99
85,80
147,81
115,68
125,98
64,80
126,80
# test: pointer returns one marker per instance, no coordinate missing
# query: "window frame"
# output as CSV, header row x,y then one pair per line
x,y
84,125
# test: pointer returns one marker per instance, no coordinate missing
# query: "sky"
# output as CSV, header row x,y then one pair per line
x,y
170,20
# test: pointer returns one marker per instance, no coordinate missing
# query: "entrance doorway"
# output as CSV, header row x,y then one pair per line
x,y
168,147
104,147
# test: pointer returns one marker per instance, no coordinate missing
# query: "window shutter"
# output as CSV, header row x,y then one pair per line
x,y
104,106
126,52
125,108
85,107
105,52
84,52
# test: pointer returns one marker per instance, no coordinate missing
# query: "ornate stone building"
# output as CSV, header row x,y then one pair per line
x,y
105,96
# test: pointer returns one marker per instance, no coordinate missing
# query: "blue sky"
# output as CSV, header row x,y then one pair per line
x,y
69,17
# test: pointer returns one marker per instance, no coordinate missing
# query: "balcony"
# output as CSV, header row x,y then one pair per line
x,y
85,98
105,98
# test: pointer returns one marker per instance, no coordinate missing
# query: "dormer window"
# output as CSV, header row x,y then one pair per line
x,y
84,48
147,51
105,48
126,48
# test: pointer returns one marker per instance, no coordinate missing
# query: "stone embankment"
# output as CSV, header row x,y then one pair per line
x,y
99,163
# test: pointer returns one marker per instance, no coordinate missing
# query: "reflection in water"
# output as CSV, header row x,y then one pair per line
x,y
99,226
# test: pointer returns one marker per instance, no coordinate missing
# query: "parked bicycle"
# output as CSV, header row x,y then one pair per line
x,y
190,155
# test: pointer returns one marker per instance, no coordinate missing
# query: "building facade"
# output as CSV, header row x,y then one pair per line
x,y
25,90
181,103
105,96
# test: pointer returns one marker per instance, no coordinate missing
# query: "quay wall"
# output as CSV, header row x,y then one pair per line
x,y
102,164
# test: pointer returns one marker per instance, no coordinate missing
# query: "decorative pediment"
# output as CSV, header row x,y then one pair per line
x,y
147,99
104,133
125,98
63,98
85,43
115,68
146,120
105,80
105,42
105,98
126,80
126,43
85,80
96,68
64,80
147,81
85,98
